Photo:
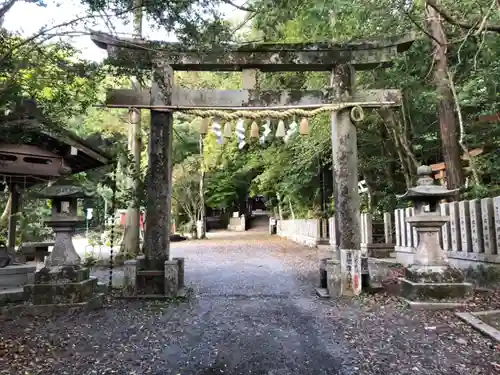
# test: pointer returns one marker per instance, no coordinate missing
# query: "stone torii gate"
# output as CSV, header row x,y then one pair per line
x,y
342,60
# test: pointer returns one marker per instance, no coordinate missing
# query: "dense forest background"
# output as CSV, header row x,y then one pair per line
x,y
449,79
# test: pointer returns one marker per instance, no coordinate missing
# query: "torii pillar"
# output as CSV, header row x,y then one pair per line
x,y
159,177
345,182
157,274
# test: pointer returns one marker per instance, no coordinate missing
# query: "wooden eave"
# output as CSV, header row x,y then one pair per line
x,y
26,129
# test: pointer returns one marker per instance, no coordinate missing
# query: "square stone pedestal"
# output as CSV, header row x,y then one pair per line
x,y
380,270
154,279
342,277
435,287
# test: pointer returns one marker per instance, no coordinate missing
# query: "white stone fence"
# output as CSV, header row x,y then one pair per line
x,y
312,232
472,236
366,226
304,231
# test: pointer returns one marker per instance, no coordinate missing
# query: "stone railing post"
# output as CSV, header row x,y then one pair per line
x,y
129,277
476,227
445,230
171,278
488,220
366,228
388,228
397,229
456,240
465,230
180,271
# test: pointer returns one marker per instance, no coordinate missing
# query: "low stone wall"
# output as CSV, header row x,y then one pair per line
x,y
303,231
16,276
237,224
385,245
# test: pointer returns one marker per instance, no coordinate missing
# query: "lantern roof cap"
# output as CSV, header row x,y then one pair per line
x,y
63,191
425,187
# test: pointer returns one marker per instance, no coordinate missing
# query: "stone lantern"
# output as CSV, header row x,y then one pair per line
x,y
63,281
430,280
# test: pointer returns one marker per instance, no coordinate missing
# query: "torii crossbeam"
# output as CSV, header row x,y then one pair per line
x,y
341,59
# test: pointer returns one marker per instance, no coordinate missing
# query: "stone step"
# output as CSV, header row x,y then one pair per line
x,y
47,294
101,286
15,276
11,295
322,293
325,248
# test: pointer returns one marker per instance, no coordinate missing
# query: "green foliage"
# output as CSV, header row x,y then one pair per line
x,y
63,87
193,21
186,199
390,147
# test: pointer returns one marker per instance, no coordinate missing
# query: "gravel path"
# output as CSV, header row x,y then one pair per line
x,y
253,312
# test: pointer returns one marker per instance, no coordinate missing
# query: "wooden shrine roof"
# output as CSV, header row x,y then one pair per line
x,y
265,57
494,117
26,129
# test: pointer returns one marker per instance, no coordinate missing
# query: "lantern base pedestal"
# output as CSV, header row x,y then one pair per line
x,y
435,287
61,285
62,288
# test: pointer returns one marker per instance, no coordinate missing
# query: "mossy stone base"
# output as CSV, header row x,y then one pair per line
x,y
15,311
61,275
46,294
434,274
414,291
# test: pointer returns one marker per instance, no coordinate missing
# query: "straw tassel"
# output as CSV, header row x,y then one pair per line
x,y
204,126
254,130
304,126
228,132
280,131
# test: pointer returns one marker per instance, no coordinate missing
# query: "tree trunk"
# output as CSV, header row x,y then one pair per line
x,y
445,108
280,209
291,208
6,211
131,234
4,9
